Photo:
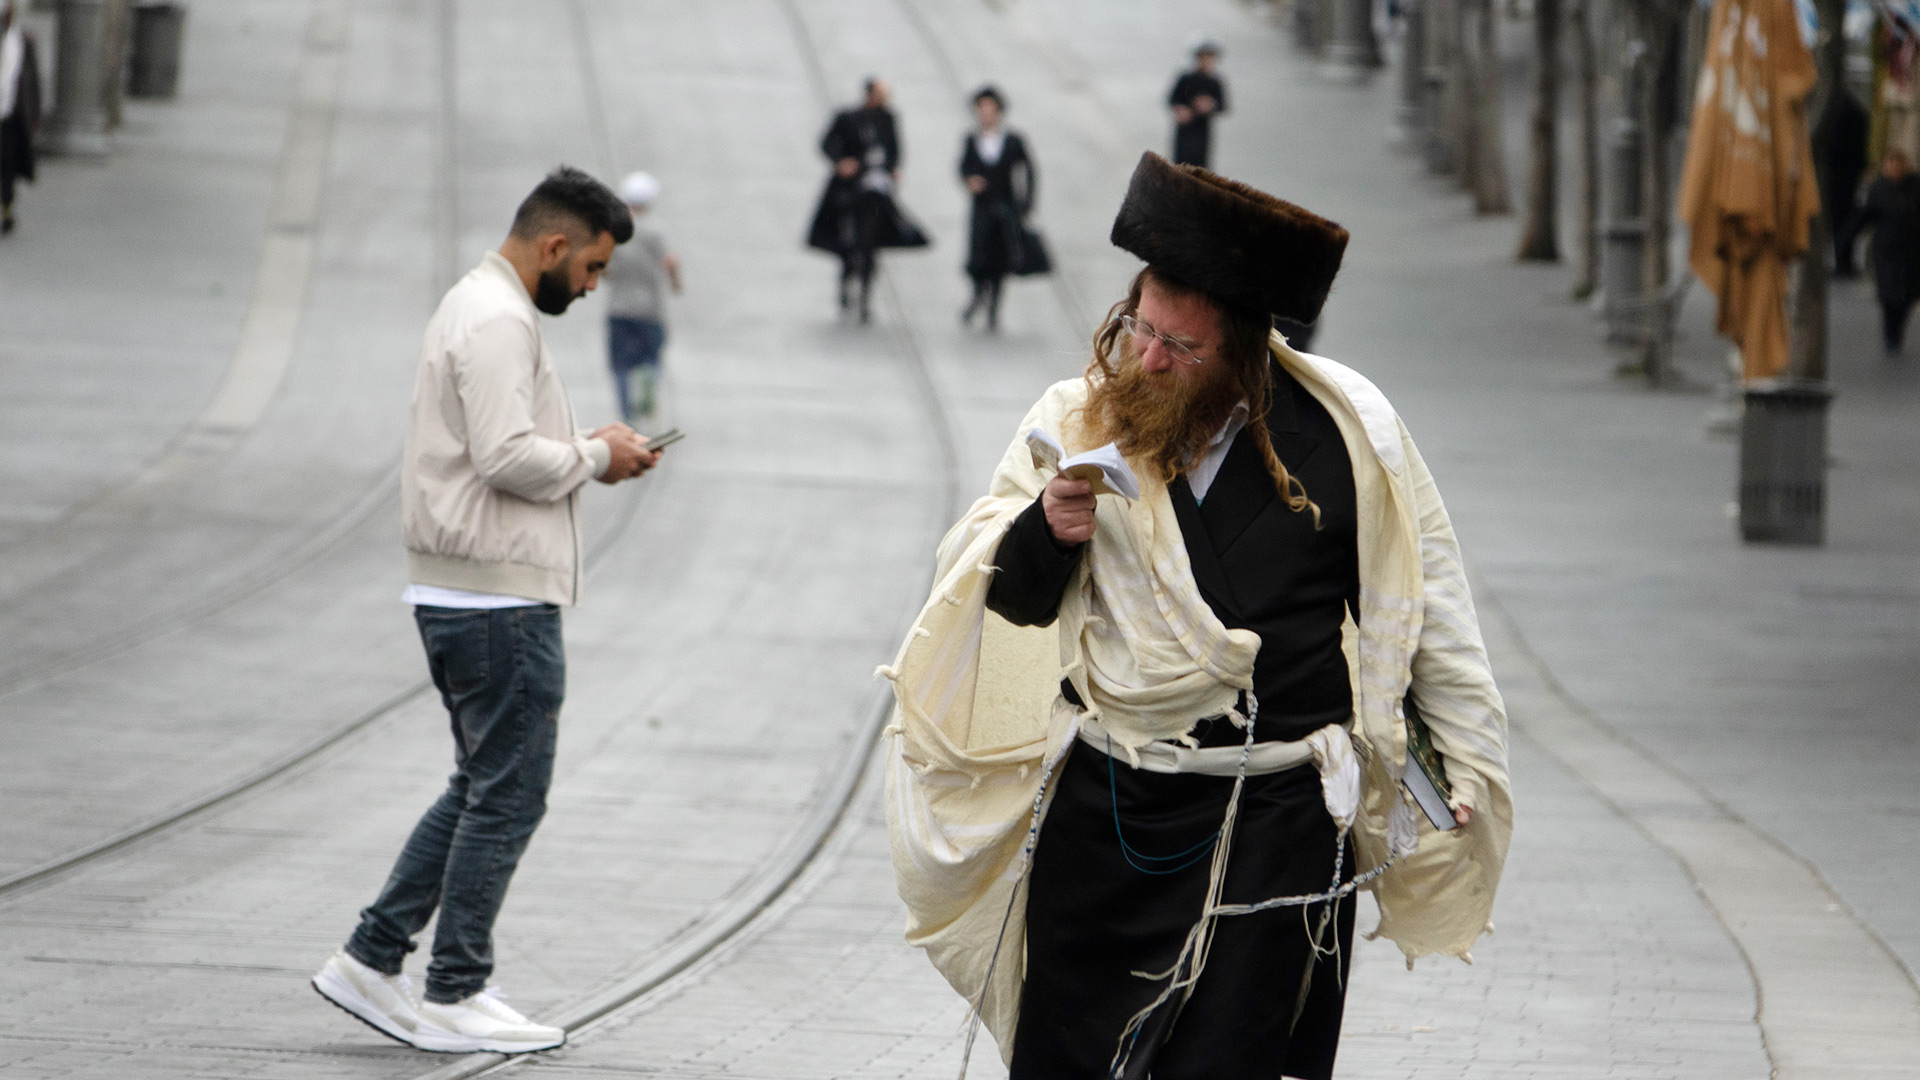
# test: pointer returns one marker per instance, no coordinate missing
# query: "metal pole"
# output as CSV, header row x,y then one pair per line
x,y
1624,236
78,125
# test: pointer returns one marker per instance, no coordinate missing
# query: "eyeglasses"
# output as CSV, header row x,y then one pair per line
x,y
1144,331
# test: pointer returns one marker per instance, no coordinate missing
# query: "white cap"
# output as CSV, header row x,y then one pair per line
x,y
639,189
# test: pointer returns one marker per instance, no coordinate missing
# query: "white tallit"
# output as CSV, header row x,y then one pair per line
x,y
980,726
13,55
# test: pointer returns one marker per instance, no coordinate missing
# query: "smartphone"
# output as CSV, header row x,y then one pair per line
x,y
665,439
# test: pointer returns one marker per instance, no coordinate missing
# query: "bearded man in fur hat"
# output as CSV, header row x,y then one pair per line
x,y
1130,834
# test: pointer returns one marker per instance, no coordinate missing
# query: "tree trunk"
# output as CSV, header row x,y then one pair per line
x,y
1540,240
1656,135
1456,97
1489,158
1587,76
1808,356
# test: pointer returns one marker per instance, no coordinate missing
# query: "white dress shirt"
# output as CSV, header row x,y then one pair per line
x,y
1201,478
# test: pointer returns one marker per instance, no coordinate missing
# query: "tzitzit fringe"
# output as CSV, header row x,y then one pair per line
x,y
1193,954
1200,938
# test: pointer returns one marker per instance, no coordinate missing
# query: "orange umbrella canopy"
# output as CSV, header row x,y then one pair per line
x,y
1748,191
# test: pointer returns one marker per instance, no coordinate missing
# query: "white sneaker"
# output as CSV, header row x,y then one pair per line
x,y
385,1002
481,1022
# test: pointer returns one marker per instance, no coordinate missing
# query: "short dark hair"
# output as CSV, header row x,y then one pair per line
x,y
990,93
571,201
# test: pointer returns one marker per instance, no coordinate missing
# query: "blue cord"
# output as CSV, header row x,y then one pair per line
x,y
1128,852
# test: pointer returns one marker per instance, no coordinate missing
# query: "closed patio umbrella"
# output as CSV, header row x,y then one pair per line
x,y
1748,191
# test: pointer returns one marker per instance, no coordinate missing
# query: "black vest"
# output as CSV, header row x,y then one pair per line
x,y
1263,566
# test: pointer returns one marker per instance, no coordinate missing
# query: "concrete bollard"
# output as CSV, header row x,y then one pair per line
x,y
1783,462
78,125
154,68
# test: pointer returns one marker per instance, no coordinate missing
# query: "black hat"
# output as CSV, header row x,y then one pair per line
x,y
1228,240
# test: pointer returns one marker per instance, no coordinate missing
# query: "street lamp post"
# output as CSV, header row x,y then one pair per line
x,y
78,125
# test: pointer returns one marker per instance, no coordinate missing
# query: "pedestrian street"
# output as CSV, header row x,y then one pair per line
x,y
223,730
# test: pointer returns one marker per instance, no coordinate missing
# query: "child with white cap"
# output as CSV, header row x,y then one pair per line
x,y
636,281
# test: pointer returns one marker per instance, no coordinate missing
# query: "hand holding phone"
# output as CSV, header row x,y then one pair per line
x,y
665,439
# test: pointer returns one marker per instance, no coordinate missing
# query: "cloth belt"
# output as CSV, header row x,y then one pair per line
x,y
1330,749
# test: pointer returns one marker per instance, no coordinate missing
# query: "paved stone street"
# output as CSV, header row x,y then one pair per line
x,y
1717,776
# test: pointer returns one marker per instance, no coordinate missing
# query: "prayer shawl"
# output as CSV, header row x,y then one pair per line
x,y
980,728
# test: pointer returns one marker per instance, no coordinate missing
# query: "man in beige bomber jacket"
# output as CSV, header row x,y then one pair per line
x,y
490,502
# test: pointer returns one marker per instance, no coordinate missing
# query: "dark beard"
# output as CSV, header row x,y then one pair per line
x,y
551,293
1158,419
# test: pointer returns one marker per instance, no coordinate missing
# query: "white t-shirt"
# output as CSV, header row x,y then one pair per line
x,y
435,596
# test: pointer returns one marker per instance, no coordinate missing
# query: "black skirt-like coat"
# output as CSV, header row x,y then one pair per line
x,y
18,130
853,216
995,237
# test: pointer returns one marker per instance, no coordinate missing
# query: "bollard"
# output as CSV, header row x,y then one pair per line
x,y
78,124
1783,462
154,68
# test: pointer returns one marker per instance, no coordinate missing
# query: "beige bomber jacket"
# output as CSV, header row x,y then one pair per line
x,y
491,480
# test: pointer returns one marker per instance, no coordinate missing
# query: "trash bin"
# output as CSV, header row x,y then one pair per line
x,y
153,66
1783,461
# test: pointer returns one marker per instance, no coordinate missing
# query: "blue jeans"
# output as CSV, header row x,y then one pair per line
x,y
502,674
634,345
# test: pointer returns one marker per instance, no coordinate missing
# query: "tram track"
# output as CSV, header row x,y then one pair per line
x,y
319,540
382,495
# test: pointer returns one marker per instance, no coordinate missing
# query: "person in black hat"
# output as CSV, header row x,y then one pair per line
x,y
1198,96
1279,593
1891,211
1000,176
857,215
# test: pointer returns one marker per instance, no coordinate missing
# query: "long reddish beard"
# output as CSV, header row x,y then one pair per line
x,y
1157,417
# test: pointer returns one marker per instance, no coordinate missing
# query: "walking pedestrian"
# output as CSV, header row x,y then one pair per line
x,y
1892,211
1262,620
996,169
490,508
637,280
1840,141
857,215
19,108
1198,96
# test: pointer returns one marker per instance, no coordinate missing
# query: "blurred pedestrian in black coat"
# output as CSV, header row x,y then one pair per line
x,y
1840,142
19,108
857,215
1892,211
1198,96
996,169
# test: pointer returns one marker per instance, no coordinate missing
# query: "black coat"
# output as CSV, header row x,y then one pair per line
x,y
1892,211
853,215
19,131
1840,143
995,234
1259,564
1191,140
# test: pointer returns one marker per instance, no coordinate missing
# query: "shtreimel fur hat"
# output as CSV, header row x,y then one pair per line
x,y
1228,240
